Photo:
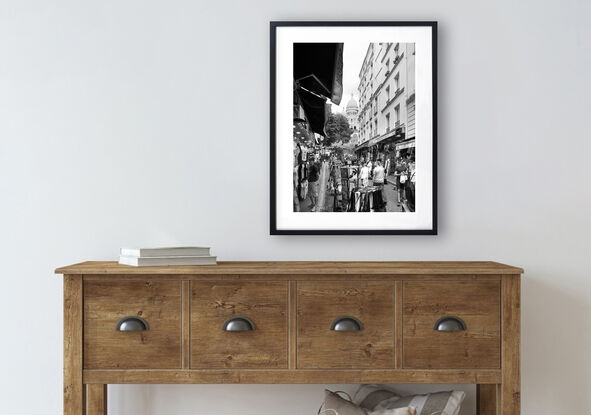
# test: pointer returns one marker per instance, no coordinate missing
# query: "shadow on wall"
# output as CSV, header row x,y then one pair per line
x,y
560,324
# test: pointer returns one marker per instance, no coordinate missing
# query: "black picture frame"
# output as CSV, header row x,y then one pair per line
x,y
274,25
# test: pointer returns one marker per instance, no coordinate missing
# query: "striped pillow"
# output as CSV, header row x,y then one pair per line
x,y
369,396
334,404
439,403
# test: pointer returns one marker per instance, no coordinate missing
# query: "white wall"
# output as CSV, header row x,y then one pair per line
x,y
135,122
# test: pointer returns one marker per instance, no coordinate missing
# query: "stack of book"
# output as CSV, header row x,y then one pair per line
x,y
152,257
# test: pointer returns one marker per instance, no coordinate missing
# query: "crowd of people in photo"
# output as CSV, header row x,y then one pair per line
x,y
355,185
405,180
399,172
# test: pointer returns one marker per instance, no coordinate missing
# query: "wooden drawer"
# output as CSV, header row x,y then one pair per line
x,y
214,303
477,303
107,302
320,303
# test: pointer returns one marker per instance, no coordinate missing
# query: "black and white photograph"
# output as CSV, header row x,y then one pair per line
x,y
357,154
362,131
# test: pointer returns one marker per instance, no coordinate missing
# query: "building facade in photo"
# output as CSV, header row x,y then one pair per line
x,y
386,101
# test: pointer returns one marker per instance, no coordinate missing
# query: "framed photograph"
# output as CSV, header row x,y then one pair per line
x,y
353,128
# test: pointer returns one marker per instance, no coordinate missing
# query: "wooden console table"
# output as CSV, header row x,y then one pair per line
x,y
292,322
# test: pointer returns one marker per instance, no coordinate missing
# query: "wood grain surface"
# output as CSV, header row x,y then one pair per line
x,y
398,324
486,399
301,267
186,324
96,399
511,315
320,303
477,303
318,376
212,303
293,305
292,330
106,302
73,388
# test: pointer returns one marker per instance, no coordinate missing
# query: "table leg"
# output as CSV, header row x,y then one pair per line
x,y
96,399
486,399
73,388
510,389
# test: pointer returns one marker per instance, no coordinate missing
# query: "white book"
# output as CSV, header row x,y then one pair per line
x,y
167,260
168,251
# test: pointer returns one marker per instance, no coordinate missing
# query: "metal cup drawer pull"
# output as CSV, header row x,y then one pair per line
x,y
132,323
239,323
450,323
346,323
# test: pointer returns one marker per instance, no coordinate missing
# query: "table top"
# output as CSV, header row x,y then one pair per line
x,y
301,267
